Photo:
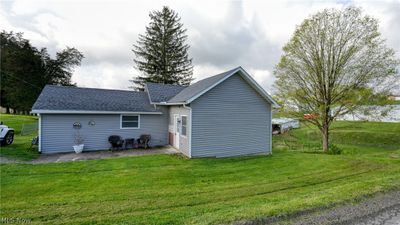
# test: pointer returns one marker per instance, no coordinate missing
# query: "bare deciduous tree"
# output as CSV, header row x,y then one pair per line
x,y
335,62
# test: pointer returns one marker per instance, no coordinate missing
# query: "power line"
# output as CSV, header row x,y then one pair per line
x,y
25,81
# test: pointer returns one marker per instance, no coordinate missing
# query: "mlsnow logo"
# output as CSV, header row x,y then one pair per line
x,y
6,220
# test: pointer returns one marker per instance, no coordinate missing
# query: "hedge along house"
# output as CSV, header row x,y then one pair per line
x,y
228,114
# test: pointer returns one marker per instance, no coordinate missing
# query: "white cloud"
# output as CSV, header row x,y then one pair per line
x,y
104,75
222,34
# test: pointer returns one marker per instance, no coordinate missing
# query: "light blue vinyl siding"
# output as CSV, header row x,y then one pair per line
x,y
58,134
229,120
183,140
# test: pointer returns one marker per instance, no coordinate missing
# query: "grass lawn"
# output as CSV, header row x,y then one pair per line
x,y
168,189
19,149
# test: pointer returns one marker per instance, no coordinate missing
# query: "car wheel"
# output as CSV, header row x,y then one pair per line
x,y
9,138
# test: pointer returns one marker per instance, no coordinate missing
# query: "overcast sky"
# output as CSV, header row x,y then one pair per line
x,y
222,34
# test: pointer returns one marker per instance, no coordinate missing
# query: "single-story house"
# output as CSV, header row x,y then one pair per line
x,y
228,114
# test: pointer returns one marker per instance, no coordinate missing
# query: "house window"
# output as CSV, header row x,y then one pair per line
x,y
184,126
130,121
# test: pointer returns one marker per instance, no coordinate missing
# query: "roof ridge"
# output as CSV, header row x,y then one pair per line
x,y
228,71
88,88
167,84
56,97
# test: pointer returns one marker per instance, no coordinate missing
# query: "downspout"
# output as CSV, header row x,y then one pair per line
x,y
190,125
270,131
40,134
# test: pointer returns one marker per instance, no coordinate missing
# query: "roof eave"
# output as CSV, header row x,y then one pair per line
x,y
169,103
46,111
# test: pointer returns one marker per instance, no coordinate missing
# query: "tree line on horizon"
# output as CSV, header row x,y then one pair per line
x,y
25,70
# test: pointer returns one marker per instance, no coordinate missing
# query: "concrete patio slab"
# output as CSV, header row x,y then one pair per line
x,y
68,157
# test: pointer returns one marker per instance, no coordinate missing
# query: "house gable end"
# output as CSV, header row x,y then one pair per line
x,y
241,72
229,117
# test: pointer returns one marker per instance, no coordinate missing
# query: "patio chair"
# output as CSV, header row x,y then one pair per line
x,y
144,140
116,142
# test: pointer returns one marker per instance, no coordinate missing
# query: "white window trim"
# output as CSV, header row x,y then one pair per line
x,y
180,133
129,128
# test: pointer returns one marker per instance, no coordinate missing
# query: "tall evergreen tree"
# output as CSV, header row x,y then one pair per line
x,y
161,53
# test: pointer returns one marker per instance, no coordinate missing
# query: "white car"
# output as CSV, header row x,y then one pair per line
x,y
6,135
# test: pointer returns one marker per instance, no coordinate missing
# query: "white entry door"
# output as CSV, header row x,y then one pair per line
x,y
176,131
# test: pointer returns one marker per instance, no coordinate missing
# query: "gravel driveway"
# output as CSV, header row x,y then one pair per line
x,y
387,217
381,209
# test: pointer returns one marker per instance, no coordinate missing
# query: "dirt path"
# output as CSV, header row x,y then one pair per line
x,y
381,209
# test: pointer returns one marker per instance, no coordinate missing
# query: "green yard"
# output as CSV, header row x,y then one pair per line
x,y
174,190
20,149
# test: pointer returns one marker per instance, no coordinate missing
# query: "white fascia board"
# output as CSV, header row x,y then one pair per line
x,y
89,112
258,87
190,130
148,94
169,103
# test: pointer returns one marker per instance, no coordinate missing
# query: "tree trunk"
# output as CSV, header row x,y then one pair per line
x,y
8,110
325,137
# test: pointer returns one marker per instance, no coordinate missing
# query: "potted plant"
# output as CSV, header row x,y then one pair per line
x,y
78,147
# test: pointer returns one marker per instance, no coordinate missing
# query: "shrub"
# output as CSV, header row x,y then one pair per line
x,y
334,150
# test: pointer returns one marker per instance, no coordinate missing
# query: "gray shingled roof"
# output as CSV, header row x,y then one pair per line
x,y
92,99
163,92
63,98
199,86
